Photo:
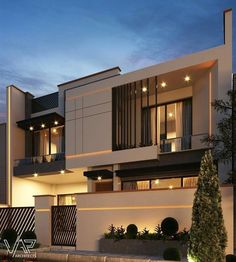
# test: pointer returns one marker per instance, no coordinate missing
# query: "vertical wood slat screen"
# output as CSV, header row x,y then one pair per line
x,y
130,129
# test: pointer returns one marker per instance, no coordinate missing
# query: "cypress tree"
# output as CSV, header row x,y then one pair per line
x,y
208,237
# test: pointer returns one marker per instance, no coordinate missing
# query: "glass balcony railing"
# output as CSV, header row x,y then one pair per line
x,y
39,159
183,143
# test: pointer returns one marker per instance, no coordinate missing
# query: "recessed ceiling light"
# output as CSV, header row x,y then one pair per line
x,y
144,89
56,123
99,178
62,171
187,78
43,125
31,128
163,84
35,174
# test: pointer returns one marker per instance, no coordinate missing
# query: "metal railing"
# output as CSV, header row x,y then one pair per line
x,y
39,159
183,143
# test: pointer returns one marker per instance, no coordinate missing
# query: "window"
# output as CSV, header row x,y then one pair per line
x,y
67,199
48,141
136,185
190,181
160,183
166,183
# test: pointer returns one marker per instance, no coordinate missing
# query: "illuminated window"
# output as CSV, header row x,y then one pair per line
x,y
166,183
190,181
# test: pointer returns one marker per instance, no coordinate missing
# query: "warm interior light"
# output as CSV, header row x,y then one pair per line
x,y
56,123
170,187
99,178
170,114
144,89
73,198
54,130
62,171
43,125
157,181
31,128
187,78
163,84
35,174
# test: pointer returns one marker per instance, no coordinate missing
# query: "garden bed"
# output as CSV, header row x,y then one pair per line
x,y
140,247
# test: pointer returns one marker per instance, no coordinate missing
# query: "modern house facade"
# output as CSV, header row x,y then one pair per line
x,y
139,131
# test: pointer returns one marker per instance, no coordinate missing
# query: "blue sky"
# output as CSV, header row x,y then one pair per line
x,y
46,42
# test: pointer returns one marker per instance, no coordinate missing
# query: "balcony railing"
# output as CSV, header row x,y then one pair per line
x,y
183,143
39,159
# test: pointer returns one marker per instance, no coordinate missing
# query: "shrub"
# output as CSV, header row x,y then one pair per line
x,y
29,235
230,258
10,235
169,226
132,231
172,253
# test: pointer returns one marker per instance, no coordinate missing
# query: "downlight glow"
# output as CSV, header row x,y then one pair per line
x,y
62,171
35,174
163,84
43,125
31,128
99,178
144,89
187,78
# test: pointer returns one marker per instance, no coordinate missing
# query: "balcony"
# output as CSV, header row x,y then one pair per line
x,y
39,164
178,144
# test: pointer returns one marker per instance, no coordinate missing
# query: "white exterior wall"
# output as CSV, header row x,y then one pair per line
x,y
144,208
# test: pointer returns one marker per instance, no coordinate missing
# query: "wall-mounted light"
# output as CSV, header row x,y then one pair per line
x,y
99,178
170,187
187,78
56,123
35,174
163,84
157,181
43,125
62,171
31,128
144,89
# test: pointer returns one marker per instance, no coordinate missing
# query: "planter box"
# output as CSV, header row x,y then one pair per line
x,y
140,247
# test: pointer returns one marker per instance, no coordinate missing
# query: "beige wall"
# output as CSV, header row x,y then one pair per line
x,y
145,208
15,135
88,123
23,191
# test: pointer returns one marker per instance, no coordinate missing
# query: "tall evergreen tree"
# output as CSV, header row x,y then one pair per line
x,y
208,236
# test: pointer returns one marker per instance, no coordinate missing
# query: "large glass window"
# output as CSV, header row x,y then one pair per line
x,y
48,141
160,183
41,142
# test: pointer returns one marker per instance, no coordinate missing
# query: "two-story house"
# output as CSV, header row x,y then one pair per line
x,y
111,131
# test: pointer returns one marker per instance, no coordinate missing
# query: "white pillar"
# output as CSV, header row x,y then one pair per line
x,y
43,206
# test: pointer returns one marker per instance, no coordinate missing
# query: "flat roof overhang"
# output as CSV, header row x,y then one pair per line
x,y
48,120
94,174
